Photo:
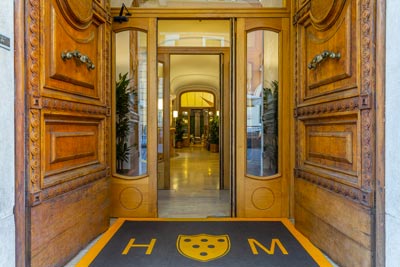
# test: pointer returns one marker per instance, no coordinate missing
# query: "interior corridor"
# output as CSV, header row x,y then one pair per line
x,y
194,187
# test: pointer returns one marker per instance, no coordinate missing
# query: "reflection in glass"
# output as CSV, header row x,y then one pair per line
x,y
160,111
194,33
262,103
131,103
209,3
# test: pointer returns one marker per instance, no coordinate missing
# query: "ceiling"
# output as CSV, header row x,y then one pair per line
x,y
201,3
194,72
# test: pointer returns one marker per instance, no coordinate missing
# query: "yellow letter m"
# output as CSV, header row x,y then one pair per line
x,y
274,242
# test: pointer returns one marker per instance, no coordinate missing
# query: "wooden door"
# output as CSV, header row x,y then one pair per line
x,y
262,118
68,119
334,117
134,159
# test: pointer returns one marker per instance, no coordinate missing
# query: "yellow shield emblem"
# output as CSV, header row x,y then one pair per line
x,y
203,247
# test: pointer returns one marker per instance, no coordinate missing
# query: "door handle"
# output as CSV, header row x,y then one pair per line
x,y
79,56
321,57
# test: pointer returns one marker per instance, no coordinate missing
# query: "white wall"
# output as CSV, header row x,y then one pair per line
x,y
392,154
7,227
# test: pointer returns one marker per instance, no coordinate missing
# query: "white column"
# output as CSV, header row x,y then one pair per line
x,y
7,177
392,134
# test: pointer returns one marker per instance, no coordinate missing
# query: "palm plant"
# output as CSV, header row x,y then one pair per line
x,y
213,137
123,93
179,131
214,130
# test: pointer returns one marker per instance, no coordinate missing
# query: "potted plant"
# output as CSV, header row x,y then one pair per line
x,y
123,94
213,137
179,131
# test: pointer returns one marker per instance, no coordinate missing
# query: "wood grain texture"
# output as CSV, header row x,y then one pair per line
x,y
57,236
71,77
335,31
67,123
329,147
338,227
20,212
79,13
72,146
334,129
131,198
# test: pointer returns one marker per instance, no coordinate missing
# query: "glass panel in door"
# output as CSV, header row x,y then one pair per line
x,y
262,103
131,103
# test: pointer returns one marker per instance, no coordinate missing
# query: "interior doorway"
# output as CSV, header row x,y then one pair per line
x,y
193,82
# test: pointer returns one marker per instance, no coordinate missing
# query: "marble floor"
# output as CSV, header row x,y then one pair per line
x,y
194,187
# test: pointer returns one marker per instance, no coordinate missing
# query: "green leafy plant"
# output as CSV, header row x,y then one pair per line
x,y
179,130
123,95
214,130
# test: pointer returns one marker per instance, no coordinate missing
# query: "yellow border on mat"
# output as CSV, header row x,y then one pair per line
x,y
100,244
314,252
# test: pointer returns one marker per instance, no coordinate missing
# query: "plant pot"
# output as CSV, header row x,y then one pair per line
x,y
214,148
179,144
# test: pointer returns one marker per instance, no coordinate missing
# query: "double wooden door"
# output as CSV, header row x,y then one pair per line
x,y
71,150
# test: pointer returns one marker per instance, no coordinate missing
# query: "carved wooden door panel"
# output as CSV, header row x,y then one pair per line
x,y
334,120
68,104
262,126
133,190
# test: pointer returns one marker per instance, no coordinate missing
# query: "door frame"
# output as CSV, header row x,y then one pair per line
x,y
22,235
21,174
224,52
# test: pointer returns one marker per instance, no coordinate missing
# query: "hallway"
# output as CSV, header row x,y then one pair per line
x,y
194,186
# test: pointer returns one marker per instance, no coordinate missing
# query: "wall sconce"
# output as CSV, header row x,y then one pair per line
x,y
175,114
217,113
